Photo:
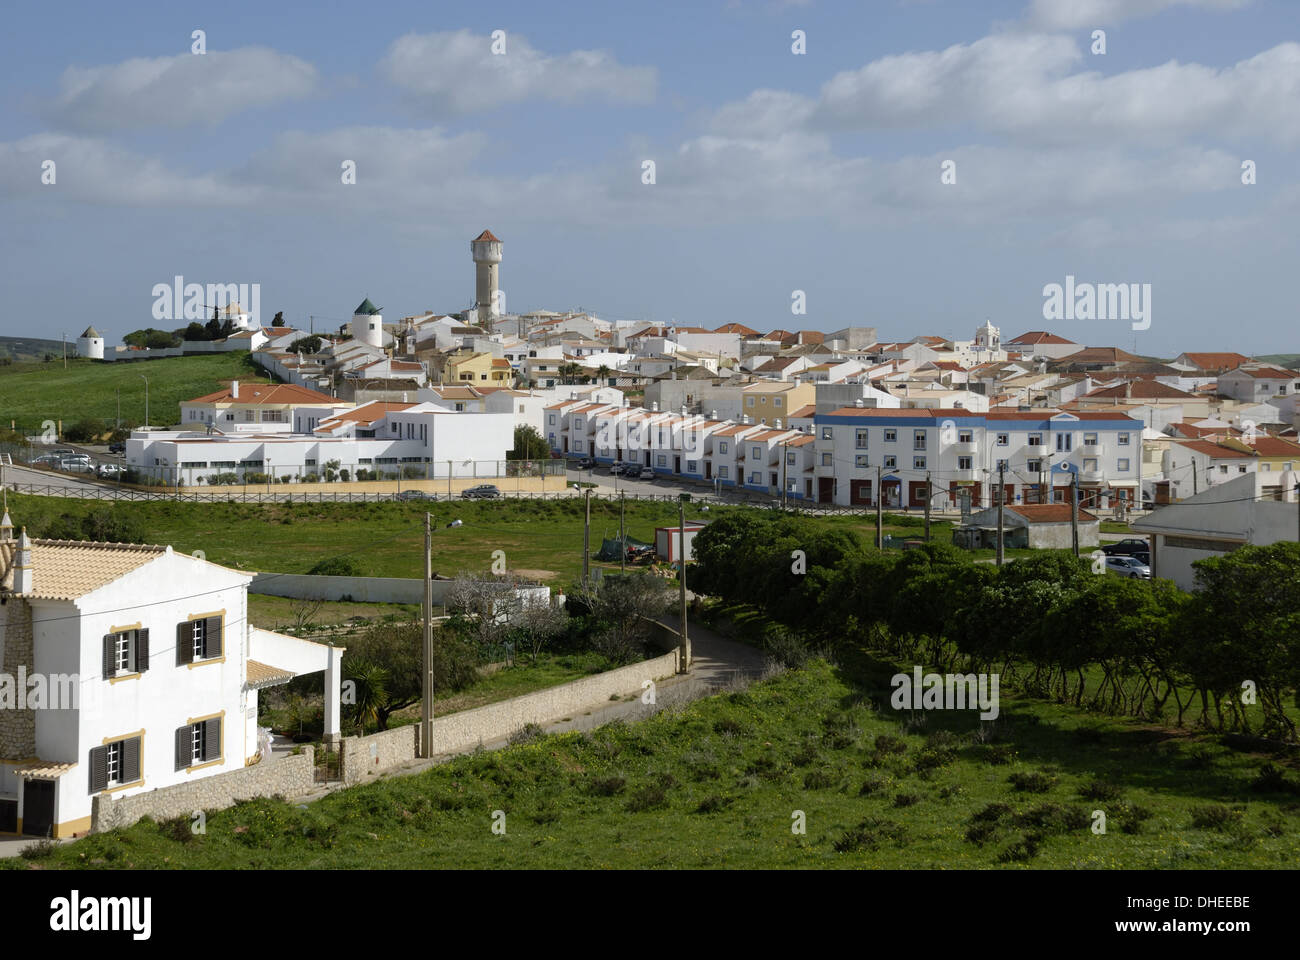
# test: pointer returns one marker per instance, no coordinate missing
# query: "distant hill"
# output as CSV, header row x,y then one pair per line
x,y
19,349
1289,360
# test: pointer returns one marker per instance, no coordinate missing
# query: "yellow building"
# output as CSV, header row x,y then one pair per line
x,y
766,402
465,366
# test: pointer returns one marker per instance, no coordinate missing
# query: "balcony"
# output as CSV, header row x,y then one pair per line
x,y
961,475
965,448
1092,476
1092,449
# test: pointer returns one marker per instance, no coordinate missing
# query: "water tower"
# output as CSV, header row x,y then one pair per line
x,y
486,250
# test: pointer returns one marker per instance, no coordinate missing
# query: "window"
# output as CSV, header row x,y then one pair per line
x,y
1064,442
860,438
1123,439
1089,438
756,452
776,401
963,463
126,652
891,463
1122,464
918,439
661,460
749,401
826,433
1034,466
198,743
577,423
394,426
722,473
965,436
1003,465
1090,465
1241,469
115,764
199,639
918,463
826,460
790,459
891,436
1004,439
1223,468
552,419
722,446
312,462
860,461
691,466
1035,439
756,477
577,446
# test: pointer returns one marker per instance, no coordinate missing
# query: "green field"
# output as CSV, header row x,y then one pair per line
x,y
542,539
723,782
31,393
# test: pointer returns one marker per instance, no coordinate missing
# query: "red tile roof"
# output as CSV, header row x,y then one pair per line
x,y
1049,513
1215,361
486,235
266,393
1038,336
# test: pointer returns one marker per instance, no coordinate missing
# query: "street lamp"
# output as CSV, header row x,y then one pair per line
x,y
880,499
146,398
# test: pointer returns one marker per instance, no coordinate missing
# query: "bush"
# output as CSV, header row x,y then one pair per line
x,y
1216,817
336,567
1033,782
1100,790
869,834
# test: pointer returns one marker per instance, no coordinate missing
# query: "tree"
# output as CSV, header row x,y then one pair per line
x,y
195,331
602,373
278,321
622,608
537,624
213,327
303,609
398,650
309,344
529,444
151,337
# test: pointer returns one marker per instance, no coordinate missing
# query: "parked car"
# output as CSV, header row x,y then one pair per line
x,y
1126,548
1123,566
117,446
79,464
484,491
586,463
109,469
617,468
416,495
644,473
47,460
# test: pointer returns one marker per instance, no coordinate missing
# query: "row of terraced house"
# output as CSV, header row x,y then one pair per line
x,y
849,456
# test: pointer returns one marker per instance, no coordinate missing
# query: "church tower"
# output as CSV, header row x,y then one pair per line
x,y
486,250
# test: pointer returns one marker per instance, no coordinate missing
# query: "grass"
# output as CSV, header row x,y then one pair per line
x,y
722,783
31,393
541,539
276,613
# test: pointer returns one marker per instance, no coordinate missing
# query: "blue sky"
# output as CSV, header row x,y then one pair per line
x,y
774,172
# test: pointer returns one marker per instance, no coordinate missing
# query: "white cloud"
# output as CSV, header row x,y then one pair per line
x,y
178,91
456,72
1073,14
1020,86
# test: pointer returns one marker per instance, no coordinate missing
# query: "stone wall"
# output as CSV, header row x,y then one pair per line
x,y
18,727
289,776
363,756
496,721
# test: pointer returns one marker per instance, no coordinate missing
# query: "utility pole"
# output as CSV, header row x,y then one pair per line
x,y
1195,491
119,408
1002,496
146,397
622,534
927,506
681,571
785,453
65,350
1074,512
586,541
879,497
426,706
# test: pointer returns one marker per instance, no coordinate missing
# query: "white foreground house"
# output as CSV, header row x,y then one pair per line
x,y
125,668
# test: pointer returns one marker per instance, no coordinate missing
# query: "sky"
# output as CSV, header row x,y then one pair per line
x,y
774,171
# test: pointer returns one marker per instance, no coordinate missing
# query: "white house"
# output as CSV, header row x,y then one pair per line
x,y
128,668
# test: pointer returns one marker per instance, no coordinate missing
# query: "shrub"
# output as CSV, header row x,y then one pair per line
x,y
650,796
906,799
714,803
820,779
999,754
39,850
870,833
1033,782
336,567
1100,790
1024,849
606,786
992,813
1216,816
526,734
1054,818
886,743
981,833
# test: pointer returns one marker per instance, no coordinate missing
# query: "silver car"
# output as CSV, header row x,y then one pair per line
x,y
1128,567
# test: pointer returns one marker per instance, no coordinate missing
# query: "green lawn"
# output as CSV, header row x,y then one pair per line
x,y
722,782
31,393
543,539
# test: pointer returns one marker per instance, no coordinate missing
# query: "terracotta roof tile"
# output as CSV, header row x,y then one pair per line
x,y
68,569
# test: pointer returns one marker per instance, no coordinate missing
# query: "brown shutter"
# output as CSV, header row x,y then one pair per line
x,y
142,651
184,644
213,637
110,655
131,760
98,769
184,753
212,739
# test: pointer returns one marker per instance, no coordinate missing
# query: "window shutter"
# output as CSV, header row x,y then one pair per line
x,y
183,749
214,637
212,739
184,644
98,769
142,651
131,760
110,655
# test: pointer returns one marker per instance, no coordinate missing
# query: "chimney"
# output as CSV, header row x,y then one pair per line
x,y
859,402
234,389
713,414
23,573
654,406
777,423
6,526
